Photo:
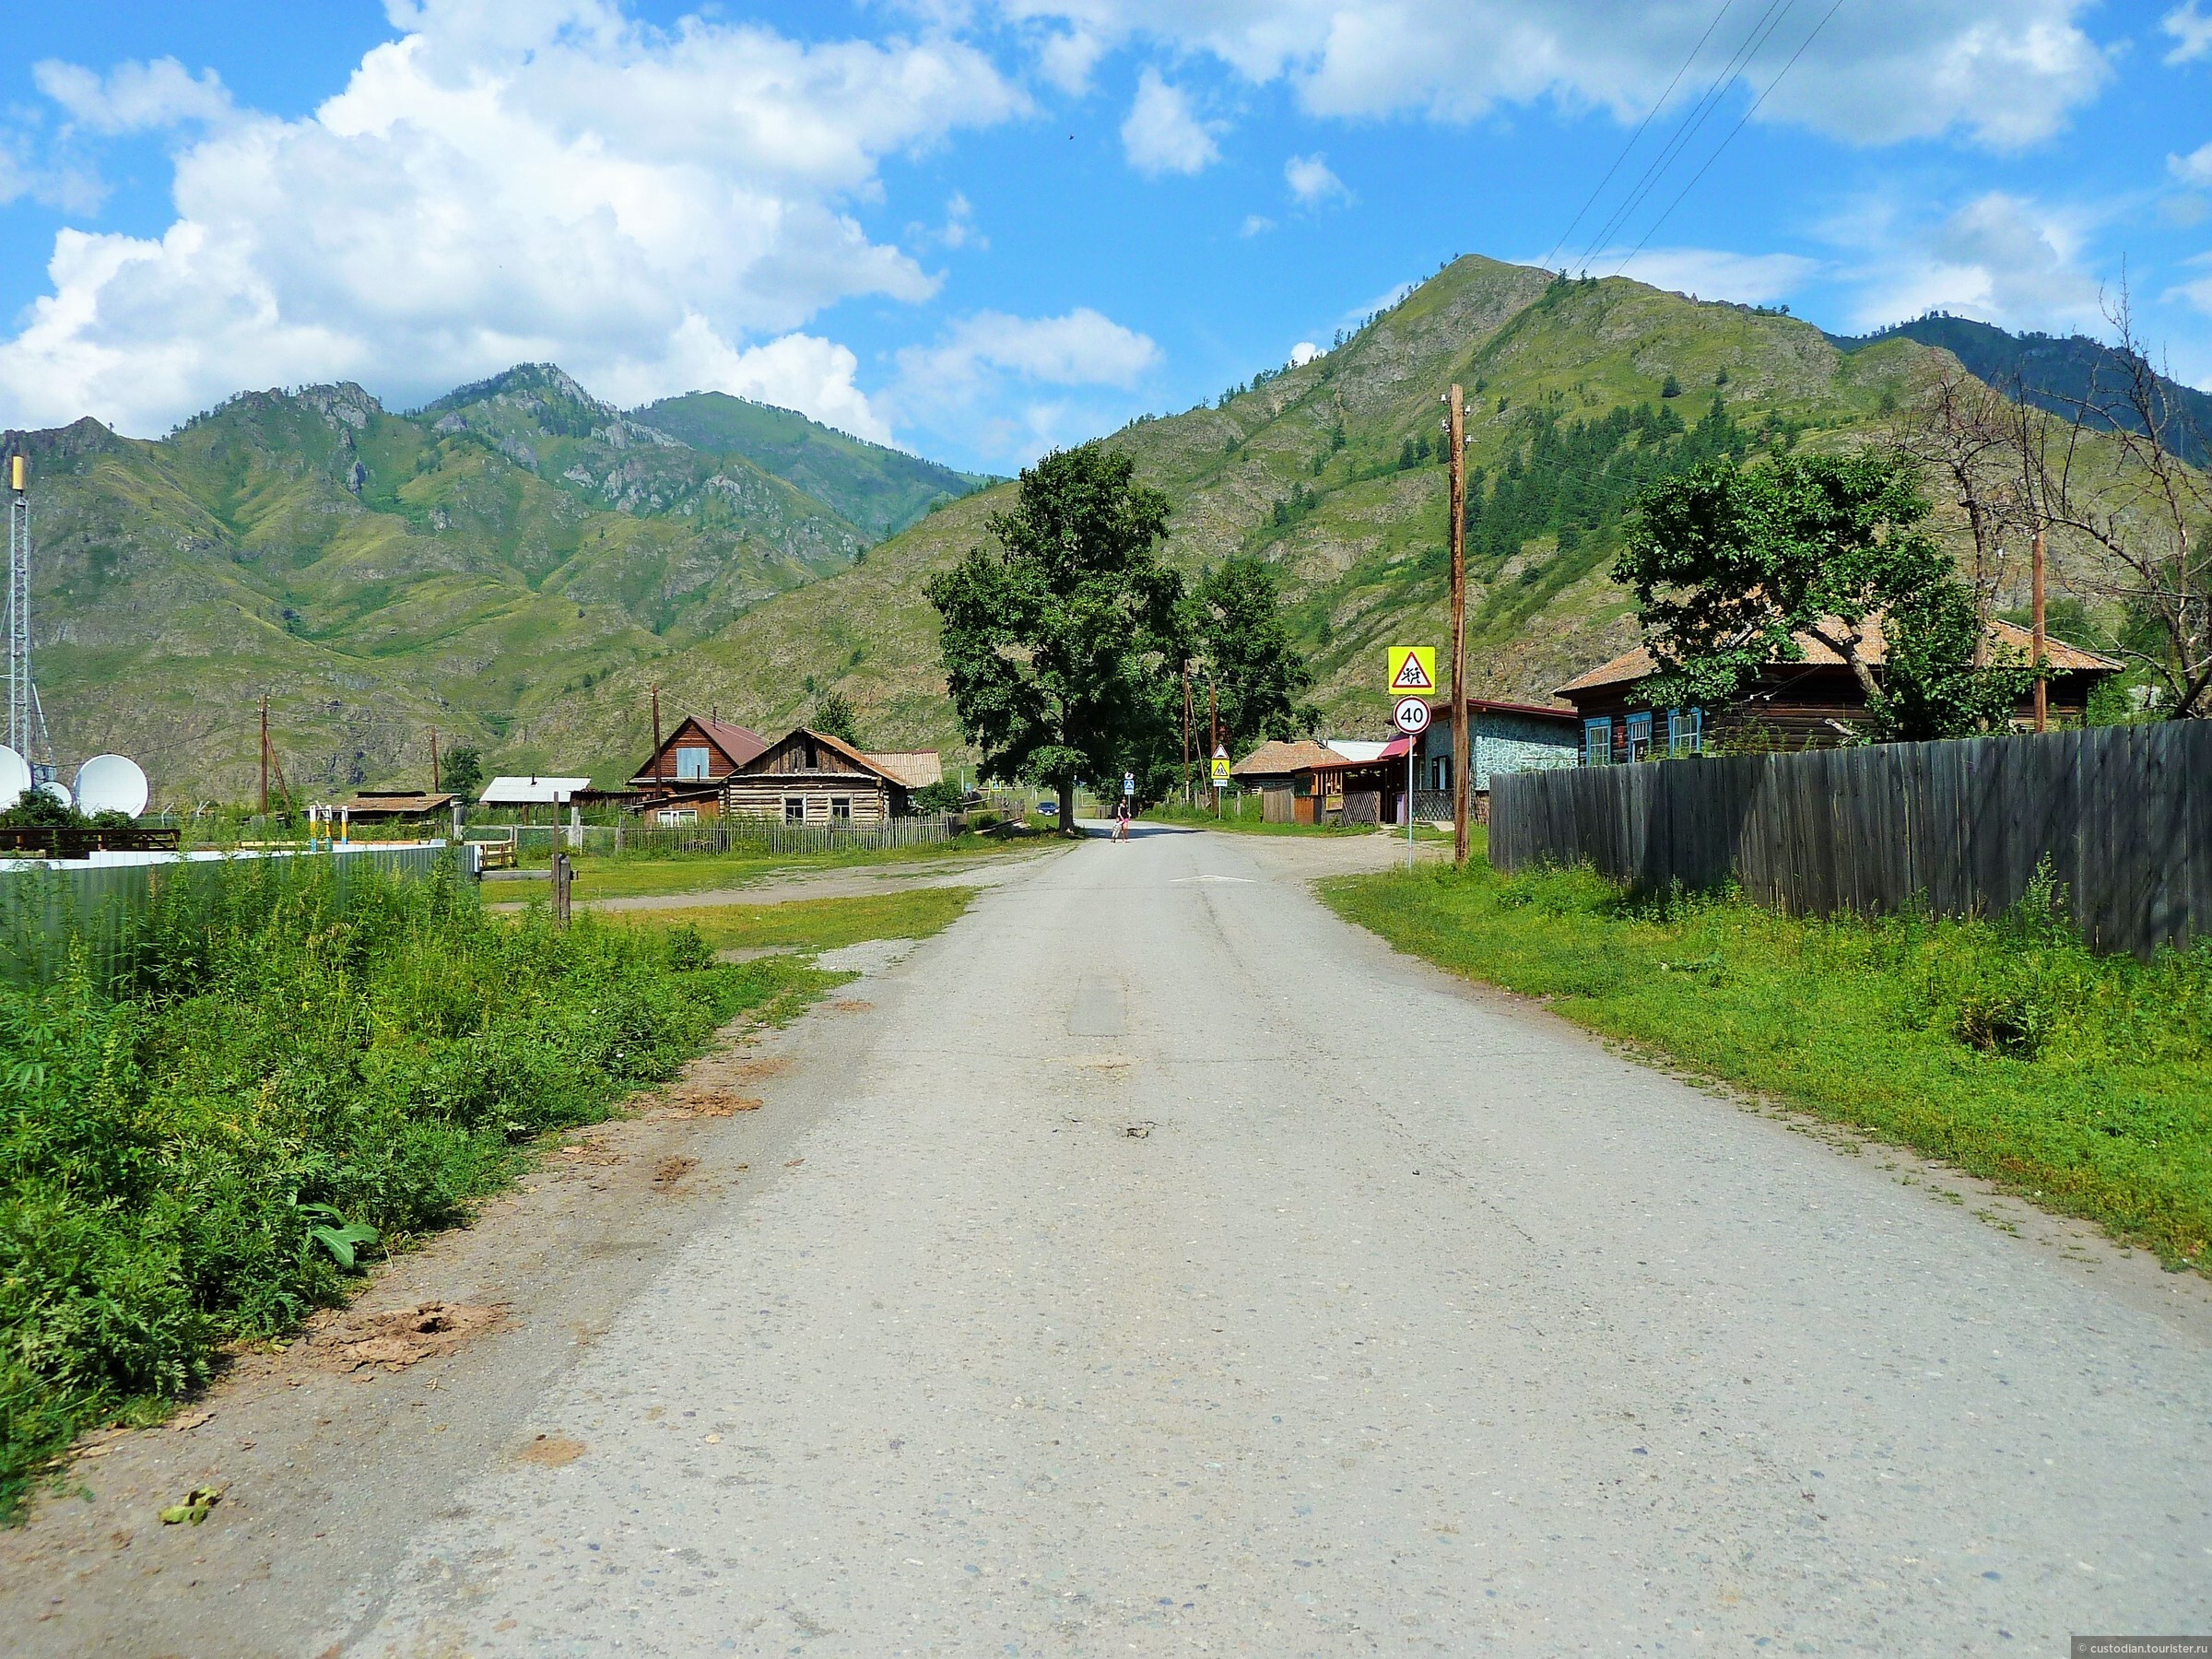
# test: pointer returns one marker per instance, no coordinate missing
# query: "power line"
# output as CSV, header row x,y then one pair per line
x,y
1723,144
1657,105
1693,120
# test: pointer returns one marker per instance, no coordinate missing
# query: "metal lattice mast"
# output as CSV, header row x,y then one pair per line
x,y
18,609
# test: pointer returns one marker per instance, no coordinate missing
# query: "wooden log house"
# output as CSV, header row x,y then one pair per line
x,y
808,777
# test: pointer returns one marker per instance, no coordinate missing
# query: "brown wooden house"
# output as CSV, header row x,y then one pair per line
x,y
682,780
1815,703
807,777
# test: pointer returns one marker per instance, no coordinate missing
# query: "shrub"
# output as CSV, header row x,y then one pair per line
x,y
284,1070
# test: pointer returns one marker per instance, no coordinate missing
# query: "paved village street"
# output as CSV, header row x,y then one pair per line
x,y
1153,1263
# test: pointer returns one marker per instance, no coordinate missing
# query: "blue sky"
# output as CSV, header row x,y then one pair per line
x,y
977,228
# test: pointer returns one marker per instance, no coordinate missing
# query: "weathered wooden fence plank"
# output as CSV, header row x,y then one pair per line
x,y
2123,813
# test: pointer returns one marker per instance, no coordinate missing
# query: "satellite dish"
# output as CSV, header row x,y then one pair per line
x,y
106,783
15,777
55,789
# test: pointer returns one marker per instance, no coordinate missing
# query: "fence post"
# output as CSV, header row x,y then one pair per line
x,y
561,874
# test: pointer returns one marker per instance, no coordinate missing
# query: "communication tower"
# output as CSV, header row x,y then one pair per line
x,y
27,733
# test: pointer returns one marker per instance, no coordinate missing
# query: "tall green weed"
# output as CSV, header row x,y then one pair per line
x,y
282,1066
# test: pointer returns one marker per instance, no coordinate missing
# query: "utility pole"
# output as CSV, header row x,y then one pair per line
x,y
264,754
2042,689
1189,784
659,776
433,760
1213,716
1462,744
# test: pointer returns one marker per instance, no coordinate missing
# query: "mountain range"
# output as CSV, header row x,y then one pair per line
x,y
520,563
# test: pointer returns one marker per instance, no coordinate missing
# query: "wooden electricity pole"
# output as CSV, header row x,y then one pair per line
x,y
265,756
659,775
1213,716
2042,689
433,760
1189,784
1462,745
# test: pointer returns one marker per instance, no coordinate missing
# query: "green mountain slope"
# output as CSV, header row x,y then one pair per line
x,y
2053,372
882,491
1333,470
470,565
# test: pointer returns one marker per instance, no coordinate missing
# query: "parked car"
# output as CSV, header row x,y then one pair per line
x,y
1049,808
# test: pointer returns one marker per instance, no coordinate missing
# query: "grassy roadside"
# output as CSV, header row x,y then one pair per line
x,y
2003,1047
1251,823
810,924
292,1079
631,877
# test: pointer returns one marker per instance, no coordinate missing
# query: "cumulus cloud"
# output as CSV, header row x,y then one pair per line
x,y
2191,28
2006,72
504,183
134,97
2002,258
984,378
1305,352
1255,224
1162,135
2195,167
1715,273
1312,182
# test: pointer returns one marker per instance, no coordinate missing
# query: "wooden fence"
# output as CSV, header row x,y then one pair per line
x,y
2122,813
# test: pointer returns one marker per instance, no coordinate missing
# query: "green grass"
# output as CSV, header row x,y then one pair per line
x,y
1250,823
191,1147
2004,1047
629,876
807,924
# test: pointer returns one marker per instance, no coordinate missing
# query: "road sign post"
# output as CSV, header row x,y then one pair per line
x,y
1220,777
1411,717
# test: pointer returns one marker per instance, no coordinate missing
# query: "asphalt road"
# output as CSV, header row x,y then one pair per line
x,y
1161,1267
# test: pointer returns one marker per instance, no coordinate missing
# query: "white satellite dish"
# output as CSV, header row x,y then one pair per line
x,y
107,783
15,777
57,790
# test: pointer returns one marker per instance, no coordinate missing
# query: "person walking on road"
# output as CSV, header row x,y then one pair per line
x,y
1121,820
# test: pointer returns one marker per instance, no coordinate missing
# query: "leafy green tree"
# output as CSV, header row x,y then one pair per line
x,y
461,771
934,798
1731,563
1260,677
834,716
1055,642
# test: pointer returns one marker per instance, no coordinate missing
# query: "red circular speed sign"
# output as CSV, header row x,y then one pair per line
x,y
1412,715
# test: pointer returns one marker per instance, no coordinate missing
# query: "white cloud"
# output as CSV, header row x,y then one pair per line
x,y
982,380
1305,352
2191,30
134,97
1067,59
1080,349
1255,224
2002,258
2005,73
799,372
1714,272
1311,182
1162,134
505,184
2195,167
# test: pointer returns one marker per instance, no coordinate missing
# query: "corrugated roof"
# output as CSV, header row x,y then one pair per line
x,y
917,769
740,743
1440,708
2010,637
1274,758
531,791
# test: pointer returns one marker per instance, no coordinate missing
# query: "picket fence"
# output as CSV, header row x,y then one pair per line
x,y
2123,813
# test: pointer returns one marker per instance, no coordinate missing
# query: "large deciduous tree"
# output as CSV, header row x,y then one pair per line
x,y
1055,642
1731,562
1240,636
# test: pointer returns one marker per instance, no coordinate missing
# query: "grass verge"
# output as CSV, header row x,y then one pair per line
x,y
630,877
288,1075
1252,824
805,925
2004,1047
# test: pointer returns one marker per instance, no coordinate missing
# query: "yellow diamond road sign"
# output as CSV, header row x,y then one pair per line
x,y
1413,668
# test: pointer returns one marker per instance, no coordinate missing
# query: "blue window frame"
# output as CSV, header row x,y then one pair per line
x,y
690,762
1686,731
1640,736
1598,742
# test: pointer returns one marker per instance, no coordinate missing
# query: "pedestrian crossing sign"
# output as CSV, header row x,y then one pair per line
x,y
1413,668
1220,767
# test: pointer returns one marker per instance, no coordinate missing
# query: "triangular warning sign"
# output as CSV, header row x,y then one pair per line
x,y
1411,677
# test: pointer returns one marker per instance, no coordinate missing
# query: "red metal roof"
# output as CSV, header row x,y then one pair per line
x,y
1393,750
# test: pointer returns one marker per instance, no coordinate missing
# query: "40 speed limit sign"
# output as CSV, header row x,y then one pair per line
x,y
1411,715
